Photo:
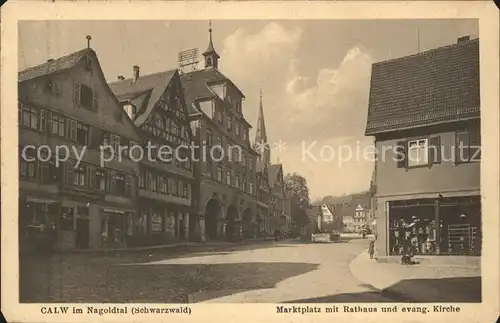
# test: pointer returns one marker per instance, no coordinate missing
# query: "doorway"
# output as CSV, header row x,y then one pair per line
x,y
82,233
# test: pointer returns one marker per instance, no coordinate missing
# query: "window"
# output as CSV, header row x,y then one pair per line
x,y
76,176
28,168
229,122
57,125
100,180
238,106
29,117
44,118
237,181
49,172
180,188
219,174
250,163
209,139
114,141
244,160
141,180
244,134
250,187
173,187
118,184
52,87
468,147
228,178
219,116
159,121
85,96
156,222
174,129
67,218
72,129
237,126
417,153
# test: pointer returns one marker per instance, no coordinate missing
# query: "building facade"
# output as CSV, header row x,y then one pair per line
x,y
85,201
277,200
263,199
428,186
225,197
155,103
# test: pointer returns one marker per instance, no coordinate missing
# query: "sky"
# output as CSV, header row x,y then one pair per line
x,y
314,75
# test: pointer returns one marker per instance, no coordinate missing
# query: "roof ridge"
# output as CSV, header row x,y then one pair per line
x,y
144,76
52,61
426,52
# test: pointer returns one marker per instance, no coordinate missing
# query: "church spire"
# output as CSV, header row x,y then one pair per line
x,y
211,56
261,144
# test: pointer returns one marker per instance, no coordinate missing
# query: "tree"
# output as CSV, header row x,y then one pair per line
x,y
300,201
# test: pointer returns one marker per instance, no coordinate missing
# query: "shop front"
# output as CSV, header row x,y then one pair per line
x,y
440,226
38,219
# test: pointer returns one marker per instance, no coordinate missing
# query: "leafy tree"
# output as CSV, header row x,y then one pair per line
x,y
301,203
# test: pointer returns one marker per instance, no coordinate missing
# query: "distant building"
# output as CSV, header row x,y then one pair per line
x,y
327,214
274,216
427,105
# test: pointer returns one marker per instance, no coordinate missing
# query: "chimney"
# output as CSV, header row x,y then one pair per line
x,y
463,39
120,77
136,73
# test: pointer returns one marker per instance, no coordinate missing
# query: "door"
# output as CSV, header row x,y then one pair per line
x,y
82,233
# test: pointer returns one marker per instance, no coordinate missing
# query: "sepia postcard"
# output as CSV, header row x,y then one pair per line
x,y
250,161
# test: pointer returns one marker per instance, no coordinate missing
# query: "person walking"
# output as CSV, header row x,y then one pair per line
x,y
371,248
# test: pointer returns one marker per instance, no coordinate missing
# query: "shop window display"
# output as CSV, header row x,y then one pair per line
x,y
413,227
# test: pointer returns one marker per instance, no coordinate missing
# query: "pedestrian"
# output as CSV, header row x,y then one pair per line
x,y
371,248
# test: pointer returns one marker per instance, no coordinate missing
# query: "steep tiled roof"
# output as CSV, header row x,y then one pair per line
x,y
149,88
57,65
195,86
272,173
439,85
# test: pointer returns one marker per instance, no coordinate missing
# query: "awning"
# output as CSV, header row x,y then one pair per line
x,y
113,211
40,200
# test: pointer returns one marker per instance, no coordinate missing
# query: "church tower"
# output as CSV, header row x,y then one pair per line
x,y
261,145
211,56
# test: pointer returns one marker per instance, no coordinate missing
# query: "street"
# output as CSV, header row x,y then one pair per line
x,y
286,271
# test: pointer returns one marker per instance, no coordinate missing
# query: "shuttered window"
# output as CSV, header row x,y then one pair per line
x,y
468,146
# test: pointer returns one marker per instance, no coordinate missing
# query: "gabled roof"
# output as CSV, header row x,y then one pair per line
x,y
272,173
57,65
148,89
70,61
435,86
196,86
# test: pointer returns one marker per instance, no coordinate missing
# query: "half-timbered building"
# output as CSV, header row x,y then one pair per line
x,y
155,103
